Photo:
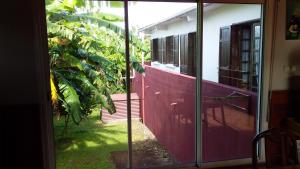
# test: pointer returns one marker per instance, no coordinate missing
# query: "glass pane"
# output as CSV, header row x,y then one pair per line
x,y
89,133
256,69
256,57
257,44
245,67
245,56
164,109
245,45
228,117
257,31
245,78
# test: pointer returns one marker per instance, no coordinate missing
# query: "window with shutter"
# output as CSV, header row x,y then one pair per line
x,y
245,46
170,50
188,54
159,48
154,50
176,50
162,50
183,53
239,55
191,54
255,61
224,56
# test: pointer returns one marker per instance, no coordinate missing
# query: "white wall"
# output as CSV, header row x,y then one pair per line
x,y
214,19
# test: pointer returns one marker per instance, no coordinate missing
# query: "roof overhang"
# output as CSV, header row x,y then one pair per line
x,y
185,15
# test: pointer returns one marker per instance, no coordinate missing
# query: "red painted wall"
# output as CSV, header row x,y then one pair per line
x,y
169,112
137,87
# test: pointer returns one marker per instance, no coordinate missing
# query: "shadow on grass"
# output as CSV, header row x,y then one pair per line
x,y
88,145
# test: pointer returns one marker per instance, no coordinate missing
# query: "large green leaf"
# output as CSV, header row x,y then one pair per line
x,y
64,5
116,4
71,103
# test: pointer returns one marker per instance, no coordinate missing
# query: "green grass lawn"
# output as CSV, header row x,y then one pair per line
x,y
88,145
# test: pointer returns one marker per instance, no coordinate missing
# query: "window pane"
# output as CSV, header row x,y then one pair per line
x,y
257,31
245,56
245,67
245,45
257,44
245,78
170,50
228,118
176,50
164,109
154,50
256,56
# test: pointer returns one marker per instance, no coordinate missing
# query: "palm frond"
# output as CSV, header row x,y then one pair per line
x,y
87,58
105,16
71,103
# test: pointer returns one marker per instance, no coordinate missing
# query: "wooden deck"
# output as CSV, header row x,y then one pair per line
x,y
121,108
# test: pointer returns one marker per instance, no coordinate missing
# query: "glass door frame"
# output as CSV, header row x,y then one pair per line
x,y
260,91
47,117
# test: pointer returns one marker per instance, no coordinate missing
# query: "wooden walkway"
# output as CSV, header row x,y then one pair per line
x,y
121,108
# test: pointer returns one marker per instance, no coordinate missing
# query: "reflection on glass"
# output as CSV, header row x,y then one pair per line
x,y
256,57
245,67
86,47
257,31
229,97
245,78
257,44
245,45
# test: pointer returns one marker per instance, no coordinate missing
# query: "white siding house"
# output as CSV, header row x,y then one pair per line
x,y
216,16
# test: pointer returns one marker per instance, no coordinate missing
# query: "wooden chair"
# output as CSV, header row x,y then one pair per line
x,y
276,139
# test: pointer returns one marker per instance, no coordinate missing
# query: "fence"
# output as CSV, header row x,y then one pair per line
x,y
168,110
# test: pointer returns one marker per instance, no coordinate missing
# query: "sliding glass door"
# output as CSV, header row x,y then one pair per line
x,y
163,125
232,36
144,84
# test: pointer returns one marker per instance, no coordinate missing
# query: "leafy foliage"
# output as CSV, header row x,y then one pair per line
x,y
86,59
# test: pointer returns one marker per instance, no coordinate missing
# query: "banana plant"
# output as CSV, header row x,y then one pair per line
x,y
87,60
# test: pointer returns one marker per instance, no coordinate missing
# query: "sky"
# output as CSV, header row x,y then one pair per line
x,y
145,13
142,14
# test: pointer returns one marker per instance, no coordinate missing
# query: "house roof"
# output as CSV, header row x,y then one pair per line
x,y
180,15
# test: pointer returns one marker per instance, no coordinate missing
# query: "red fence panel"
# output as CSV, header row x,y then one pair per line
x,y
169,112
138,88
229,123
